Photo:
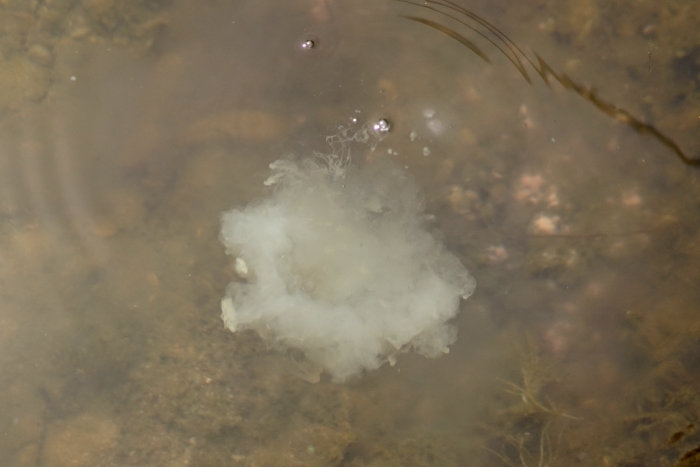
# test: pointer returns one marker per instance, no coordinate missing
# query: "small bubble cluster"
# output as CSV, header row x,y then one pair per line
x,y
382,126
308,44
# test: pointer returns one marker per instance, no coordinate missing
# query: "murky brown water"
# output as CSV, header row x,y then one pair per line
x,y
126,130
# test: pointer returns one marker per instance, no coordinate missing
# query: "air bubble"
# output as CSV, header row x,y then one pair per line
x,y
382,126
309,43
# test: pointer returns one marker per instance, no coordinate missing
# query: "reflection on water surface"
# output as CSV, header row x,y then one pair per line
x,y
126,129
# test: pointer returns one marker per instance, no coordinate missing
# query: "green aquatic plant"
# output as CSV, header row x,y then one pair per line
x,y
532,428
542,455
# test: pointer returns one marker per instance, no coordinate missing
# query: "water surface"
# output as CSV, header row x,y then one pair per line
x,y
126,130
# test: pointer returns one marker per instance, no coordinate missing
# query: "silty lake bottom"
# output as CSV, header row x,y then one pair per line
x,y
127,128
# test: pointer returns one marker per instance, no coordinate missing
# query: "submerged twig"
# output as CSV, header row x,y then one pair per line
x,y
515,55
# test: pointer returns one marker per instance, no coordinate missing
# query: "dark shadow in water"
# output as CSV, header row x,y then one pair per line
x,y
518,59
